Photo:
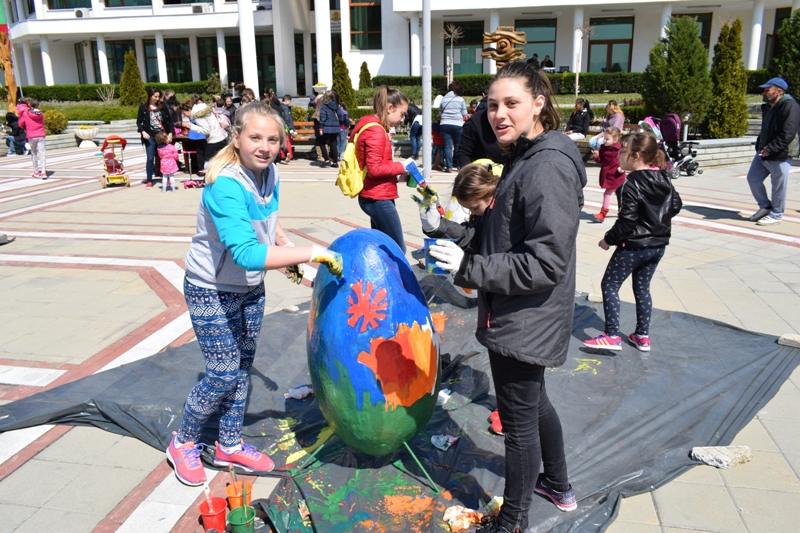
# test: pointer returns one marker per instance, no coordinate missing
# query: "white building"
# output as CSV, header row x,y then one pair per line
x,y
289,44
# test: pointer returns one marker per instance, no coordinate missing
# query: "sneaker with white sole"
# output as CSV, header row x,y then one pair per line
x,y
641,342
565,501
758,215
770,220
605,342
185,459
246,458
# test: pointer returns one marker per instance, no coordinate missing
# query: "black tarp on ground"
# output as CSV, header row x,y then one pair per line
x,y
630,418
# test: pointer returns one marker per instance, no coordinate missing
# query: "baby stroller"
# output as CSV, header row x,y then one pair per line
x,y
114,168
681,155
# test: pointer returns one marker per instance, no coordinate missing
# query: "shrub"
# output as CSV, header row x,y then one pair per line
x,y
299,114
364,79
633,113
342,83
54,122
131,87
786,62
677,80
756,78
213,84
413,93
93,111
727,113
358,112
88,92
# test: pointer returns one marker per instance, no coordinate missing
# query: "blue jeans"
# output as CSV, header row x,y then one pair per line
x,y
642,264
778,171
383,217
342,142
596,142
416,138
452,136
152,151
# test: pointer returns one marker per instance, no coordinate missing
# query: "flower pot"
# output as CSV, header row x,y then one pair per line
x,y
320,89
87,134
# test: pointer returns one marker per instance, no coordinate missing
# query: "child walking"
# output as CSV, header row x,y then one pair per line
x,y
611,176
169,161
648,202
33,121
238,238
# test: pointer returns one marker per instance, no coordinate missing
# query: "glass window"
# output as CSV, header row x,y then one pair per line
x,y
467,50
128,3
80,62
300,63
611,44
207,56
704,21
541,38
174,2
365,25
612,28
115,53
150,60
95,62
265,58
179,63
68,4
233,53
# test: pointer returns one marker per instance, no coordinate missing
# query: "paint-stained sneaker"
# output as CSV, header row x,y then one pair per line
x,y
489,525
565,501
149,185
605,342
247,458
641,342
185,459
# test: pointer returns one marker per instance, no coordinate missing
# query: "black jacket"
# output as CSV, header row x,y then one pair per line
x,y
143,120
579,122
521,255
647,203
782,129
478,141
13,123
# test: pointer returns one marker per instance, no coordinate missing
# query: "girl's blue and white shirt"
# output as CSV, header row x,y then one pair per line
x,y
236,224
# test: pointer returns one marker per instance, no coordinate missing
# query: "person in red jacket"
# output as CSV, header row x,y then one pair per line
x,y
611,176
33,121
374,153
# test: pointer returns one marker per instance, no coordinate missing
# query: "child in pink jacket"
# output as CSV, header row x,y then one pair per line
x,y
32,120
169,157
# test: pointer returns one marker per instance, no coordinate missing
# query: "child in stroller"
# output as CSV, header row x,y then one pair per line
x,y
680,155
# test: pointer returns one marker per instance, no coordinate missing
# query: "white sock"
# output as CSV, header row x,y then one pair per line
x,y
231,449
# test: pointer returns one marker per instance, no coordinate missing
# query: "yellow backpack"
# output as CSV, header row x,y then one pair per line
x,y
351,177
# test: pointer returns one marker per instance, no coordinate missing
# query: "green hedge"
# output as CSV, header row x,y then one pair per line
x,y
756,78
88,92
95,112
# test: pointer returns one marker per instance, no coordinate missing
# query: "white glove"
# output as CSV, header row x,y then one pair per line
x,y
449,255
428,213
331,259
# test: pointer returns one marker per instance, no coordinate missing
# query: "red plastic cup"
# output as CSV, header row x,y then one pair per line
x,y
214,513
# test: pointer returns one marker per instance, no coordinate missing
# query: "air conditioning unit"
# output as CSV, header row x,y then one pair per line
x,y
202,8
82,13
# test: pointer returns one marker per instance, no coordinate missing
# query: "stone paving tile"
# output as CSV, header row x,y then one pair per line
x,y
82,445
756,437
696,505
767,471
25,485
98,488
639,509
13,516
706,475
629,527
765,511
132,454
71,521
785,433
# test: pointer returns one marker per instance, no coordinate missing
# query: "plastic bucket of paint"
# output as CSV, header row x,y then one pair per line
x,y
242,519
213,512
234,492
438,321
430,261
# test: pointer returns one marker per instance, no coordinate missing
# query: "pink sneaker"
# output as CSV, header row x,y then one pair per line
x,y
248,458
642,342
605,342
186,461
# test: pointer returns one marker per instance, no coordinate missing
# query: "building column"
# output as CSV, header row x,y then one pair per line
x,y
140,58
577,42
161,58
21,14
47,64
98,6
218,5
30,79
38,7
158,6
222,58
283,28
194,58
494,22
308,61
666,13
415,50
755,34
247,38
322,18
105,78
89,62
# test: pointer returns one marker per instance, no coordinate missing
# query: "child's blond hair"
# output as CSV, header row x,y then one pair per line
x,y
230,154
614,133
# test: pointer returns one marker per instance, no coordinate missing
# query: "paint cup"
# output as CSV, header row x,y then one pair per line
x,y
234,492
438,321
213,512
430,261
242,519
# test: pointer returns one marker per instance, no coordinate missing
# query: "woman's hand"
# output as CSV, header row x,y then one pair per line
x,y
567,132
603,244
449,255
145,135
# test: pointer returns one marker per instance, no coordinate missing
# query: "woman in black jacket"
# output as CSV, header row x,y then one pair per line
x,y
17,134
521,256
578,123
647,203
152,119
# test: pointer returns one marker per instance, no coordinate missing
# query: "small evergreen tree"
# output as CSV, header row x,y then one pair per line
x,y
677,79
131,86
213,85
364,79
727,113
342,83
786,63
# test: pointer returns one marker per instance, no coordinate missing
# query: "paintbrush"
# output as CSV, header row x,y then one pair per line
x,y
235,481
208,495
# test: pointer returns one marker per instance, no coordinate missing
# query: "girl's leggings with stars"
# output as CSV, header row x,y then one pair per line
x,y
641,263
227,325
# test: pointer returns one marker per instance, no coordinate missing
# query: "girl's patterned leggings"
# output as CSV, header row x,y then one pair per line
x,y
642,263
227,325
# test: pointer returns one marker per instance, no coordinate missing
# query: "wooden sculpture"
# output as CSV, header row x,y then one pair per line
x,y
505,38
6,62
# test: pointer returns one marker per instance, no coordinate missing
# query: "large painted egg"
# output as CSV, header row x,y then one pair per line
x,y
372,352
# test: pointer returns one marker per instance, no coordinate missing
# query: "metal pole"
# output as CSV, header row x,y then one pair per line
x,y
427,136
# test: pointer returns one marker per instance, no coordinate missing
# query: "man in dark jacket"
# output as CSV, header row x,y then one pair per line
x,y
779,124
478,141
